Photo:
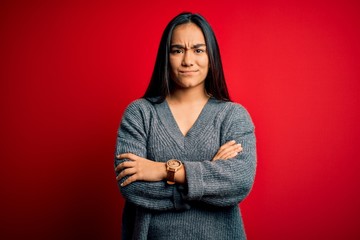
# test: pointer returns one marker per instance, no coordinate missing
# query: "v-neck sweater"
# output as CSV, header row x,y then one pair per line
x,y
207,206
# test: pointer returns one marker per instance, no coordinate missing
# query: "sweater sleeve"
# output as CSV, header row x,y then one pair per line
x,y
132,138
226,182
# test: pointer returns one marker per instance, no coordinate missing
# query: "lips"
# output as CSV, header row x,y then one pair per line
x,y
188,71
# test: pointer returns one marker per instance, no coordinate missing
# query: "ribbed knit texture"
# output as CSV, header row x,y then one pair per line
x,y
207,206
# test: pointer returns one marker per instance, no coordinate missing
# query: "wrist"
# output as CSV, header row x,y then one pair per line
x,y
180,176
173,167
163,171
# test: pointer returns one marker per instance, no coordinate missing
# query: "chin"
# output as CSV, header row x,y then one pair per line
x,y
188,84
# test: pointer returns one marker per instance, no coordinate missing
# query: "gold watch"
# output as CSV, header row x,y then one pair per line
x,y
172,166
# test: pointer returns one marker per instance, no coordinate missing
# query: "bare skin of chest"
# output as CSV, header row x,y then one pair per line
x,y
186,116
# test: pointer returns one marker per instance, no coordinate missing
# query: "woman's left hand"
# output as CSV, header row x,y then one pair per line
x,y
227,151
139,169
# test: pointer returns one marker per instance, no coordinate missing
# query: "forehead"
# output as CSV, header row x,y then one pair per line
x,y
187,33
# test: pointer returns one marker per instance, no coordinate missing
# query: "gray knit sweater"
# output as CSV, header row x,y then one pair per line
x,y
207,206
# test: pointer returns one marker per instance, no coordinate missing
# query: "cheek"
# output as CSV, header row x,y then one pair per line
x,y
204,63
172,68
173,64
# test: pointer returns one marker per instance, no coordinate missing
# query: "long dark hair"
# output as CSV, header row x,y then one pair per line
x,y
160,84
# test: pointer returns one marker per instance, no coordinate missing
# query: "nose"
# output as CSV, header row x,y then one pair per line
x,y
187,59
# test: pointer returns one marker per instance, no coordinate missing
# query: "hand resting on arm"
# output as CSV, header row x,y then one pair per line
x,y
142,169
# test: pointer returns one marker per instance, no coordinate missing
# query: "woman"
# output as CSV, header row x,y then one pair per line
x,y
185,154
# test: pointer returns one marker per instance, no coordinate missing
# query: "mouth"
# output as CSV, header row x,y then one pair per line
x,y
188,71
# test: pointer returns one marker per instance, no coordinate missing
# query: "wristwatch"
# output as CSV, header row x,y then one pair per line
x,y
172,166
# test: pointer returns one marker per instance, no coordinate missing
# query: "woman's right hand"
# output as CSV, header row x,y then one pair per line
x,y
227,151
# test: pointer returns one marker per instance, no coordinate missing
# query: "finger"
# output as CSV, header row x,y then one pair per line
x,y
230,150
226,145
215,159
129,156
124,165
230,155
238,148
223,148
131,179
126,172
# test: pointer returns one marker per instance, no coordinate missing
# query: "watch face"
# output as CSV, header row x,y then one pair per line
x,y
174,163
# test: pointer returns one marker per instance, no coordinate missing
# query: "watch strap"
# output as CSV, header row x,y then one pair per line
x,y
170,177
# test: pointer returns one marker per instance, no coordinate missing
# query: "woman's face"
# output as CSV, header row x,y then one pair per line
x,y
189,60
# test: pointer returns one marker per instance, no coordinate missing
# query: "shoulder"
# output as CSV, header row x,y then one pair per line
x,y
238,110
231,109
231,113
140,105
139,111
237,107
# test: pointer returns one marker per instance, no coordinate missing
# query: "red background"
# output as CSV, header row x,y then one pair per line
x,y
69,68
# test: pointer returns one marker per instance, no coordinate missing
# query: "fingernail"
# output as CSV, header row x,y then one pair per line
x,y
122,184
117,156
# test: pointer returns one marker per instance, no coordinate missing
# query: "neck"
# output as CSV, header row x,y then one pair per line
x,y
188,95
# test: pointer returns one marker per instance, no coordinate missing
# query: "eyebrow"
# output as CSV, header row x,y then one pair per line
x,y
183,47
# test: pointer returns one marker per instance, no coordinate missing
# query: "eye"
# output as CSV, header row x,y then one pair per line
x,y
176,51
199,50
